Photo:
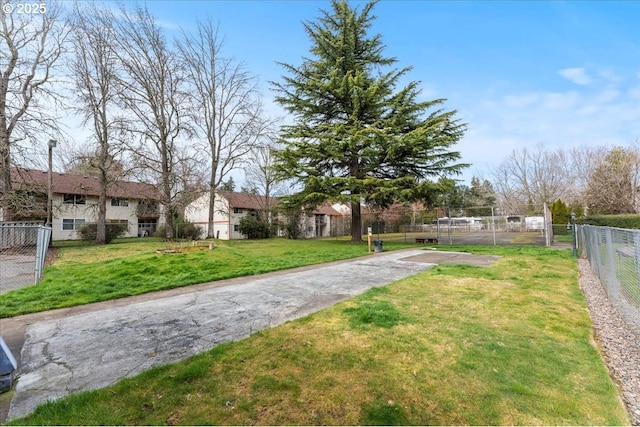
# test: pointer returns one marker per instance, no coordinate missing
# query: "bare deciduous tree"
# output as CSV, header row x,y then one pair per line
x,y
528,178
225,105
260,175
615,183
152,90
191,177
30,47
584,161
94,70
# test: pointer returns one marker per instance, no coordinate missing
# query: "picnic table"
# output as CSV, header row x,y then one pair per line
x,y
427,240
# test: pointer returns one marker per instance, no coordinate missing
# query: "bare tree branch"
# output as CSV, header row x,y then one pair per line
x,y
152,90
30,48
225,104
528,178
94,68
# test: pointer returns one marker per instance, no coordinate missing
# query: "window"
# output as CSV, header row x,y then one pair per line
x,y
236,227
237,210
120,202
74,199
72,223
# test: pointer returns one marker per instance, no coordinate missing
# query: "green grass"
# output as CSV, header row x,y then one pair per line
x,y
87,273
509,344
563,238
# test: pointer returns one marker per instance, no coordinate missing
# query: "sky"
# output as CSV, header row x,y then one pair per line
x,y
519,73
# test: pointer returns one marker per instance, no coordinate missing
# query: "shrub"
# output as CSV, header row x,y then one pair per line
x,y
254,228
161,232
618,221
191,231
181,231
293,228
112,231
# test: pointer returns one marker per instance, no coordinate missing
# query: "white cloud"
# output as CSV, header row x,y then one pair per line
x,y
560,100
607,96
502,122
576,75
517,101
634,92
588,110
609,75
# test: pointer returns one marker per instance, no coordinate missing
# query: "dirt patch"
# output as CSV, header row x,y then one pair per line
x,y
52,256
454,258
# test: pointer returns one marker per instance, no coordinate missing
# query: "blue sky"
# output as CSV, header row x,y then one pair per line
x,y
520,73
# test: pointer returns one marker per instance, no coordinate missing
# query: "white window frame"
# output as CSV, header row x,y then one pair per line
x,y
76,223
118,202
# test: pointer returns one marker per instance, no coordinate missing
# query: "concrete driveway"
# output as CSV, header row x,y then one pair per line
x,y
89,347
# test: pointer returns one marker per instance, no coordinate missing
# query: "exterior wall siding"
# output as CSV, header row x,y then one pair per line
x,y
226,221
89,213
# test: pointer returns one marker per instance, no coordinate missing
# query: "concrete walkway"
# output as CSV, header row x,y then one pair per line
x,y
97,345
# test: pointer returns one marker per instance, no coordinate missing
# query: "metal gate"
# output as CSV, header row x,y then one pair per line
x,y
23,250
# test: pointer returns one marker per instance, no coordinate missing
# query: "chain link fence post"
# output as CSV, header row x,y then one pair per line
x,y
23,251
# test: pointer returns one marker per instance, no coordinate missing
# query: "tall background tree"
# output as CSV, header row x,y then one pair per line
x,y
355,136
31,46
261,177
482,197
94,67
614,186
530,177
154,94
225,105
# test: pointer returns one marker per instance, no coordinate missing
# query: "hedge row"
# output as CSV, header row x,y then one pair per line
x,y
618,221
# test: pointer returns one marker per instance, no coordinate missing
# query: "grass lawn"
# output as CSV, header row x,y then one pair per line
x,y
563,238
86,273
455,345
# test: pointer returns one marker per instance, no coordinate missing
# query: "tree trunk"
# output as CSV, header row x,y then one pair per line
x,y
5,181
166,192
356,222
212,204
212,194
101,226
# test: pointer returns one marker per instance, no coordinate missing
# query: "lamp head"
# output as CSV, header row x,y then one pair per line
x,y
52,143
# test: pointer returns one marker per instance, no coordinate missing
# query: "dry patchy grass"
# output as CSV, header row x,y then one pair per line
x,y
457,345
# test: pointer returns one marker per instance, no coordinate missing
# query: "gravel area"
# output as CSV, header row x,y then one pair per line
x,y
618,340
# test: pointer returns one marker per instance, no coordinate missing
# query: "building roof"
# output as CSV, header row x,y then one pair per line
x,y
64,183
326,210
256,202
246,200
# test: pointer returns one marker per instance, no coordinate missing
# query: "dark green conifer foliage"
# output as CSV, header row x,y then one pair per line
x,y
355,135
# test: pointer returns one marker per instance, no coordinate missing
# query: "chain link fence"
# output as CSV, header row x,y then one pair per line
x,y
460,226
614,256
23,250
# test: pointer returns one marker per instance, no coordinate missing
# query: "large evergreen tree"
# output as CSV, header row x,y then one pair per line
x,y
483,197
355,136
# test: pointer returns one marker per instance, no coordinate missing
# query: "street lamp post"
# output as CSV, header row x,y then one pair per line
x,y
52,144
573,229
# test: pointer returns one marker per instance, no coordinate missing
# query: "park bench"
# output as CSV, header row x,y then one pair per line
x,y
426,240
